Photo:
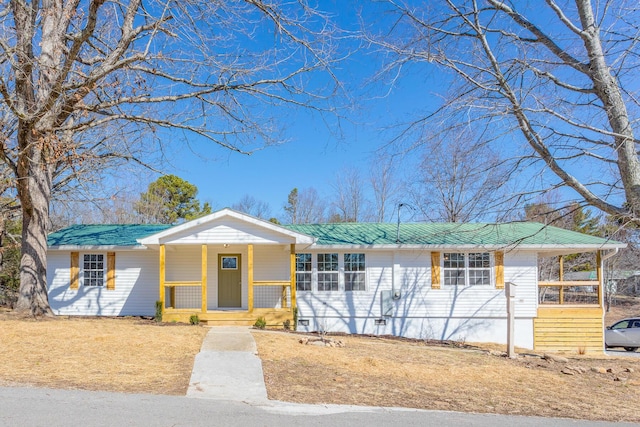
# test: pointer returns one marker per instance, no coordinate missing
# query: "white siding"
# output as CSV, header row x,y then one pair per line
x,y
473,313
521,269
228,231
271,262
467,329
183,263
135,293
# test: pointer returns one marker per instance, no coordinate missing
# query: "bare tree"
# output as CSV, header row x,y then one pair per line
x,y
620,272
304,207
87,82
252,206
458,180
349,199
559,76
385,187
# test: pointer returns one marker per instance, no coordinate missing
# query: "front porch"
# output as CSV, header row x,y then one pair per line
x,y
570,314
272,298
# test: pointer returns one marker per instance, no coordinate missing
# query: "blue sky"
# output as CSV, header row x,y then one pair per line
x,y
313,151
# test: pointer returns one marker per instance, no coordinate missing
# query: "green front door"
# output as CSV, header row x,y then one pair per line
x,y
229,281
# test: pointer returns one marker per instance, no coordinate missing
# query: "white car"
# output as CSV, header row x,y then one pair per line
x,y
625,333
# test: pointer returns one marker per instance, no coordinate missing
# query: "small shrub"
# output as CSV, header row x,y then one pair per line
x,y
158,316
194,319
261,323
286,325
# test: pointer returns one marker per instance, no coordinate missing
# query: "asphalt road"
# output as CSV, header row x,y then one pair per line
x,y
20,406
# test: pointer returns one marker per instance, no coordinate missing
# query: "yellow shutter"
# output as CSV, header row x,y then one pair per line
x,y
435,270
111,271
74,271
499,269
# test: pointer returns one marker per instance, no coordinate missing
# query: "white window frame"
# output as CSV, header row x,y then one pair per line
x,y
100,277
467,269
332,273
355,273
307,273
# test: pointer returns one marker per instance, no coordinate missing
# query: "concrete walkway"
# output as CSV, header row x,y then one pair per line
x,y
228,368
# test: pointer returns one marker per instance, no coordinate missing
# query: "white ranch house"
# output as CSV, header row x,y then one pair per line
x,y
421,280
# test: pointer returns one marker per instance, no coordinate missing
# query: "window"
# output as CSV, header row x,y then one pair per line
x,y
623,324
93,270
229,262
303,272
470,269
327,272
354,272
479,268
453,269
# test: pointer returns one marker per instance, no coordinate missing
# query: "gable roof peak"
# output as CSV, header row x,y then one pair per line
x,y
224,213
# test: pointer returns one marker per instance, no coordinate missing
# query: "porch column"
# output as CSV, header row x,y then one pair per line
x,y
293,276
204,278
162,266
600,279
561,278
250,277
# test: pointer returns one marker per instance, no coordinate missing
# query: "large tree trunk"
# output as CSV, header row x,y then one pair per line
x,y
608,90
34,191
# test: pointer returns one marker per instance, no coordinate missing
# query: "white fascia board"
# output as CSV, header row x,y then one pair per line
x,y
154,239
96,248
570,249
567,249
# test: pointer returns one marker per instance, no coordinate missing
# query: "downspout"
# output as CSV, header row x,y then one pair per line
x,y
395,294
603,258
387,297
609,254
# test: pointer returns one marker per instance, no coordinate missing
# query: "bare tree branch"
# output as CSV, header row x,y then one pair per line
x,y
565,85
86,84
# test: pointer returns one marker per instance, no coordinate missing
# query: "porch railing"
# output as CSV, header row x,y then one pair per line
x,y
579,292
183,294
272,294
274,299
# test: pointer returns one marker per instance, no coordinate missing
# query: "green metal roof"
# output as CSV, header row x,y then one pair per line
x,y
104,234
517,233
361,234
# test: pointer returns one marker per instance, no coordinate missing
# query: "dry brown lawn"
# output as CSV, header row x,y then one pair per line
x,y
136,355
391,372
111,354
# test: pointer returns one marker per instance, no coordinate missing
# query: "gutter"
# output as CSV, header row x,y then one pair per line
x,y
610,253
